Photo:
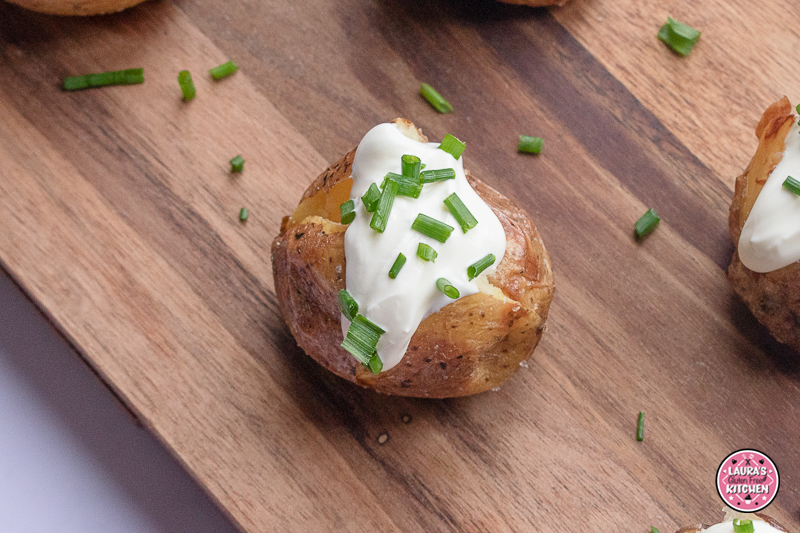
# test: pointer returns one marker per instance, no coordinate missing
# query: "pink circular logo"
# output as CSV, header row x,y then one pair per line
x,y
747,480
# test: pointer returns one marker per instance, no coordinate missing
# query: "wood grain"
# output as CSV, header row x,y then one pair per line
x,y
118,217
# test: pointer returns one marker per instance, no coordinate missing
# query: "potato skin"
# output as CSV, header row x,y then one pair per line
x,y
773,297
76,7
536,3
469,346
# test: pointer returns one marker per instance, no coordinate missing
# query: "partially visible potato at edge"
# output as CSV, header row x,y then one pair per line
x,y
76,7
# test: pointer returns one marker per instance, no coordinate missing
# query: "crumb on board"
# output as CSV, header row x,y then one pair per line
x,y
406,419
382,438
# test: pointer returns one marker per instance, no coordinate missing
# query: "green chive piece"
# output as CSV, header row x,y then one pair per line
x,y
426,253
407,185
640,427
187,85
431,176
792,185
460,212
678,36
362,338
531,145
237,164
411,166
371,198
646,224
435,99
243,214
224,70
381,214
452,146
347,304
430,227
347,210
448,289
742,526
375,364
398,264
654,530
131,76
475,269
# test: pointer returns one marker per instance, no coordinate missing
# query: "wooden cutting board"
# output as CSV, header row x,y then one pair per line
x,y
119,218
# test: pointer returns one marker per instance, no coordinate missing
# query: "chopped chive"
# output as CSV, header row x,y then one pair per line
x,y
187,85
375,364
381,214
347,304
371,198
224,70
678,36
475,269
460,212
447,288
792,185
407,185
646,224
430,227
531,145
237,164
426,253
742,526
431,176
640,427
243,214
452,146
347,211
654,530
435,99
131,76
398,264
411,166
362,338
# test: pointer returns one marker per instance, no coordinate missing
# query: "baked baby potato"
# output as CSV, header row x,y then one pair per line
x,y
773,297
761,523
468,346
76,7
536,3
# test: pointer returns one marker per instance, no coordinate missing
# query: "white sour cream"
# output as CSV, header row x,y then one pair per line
x,y
759,526
770,237
399,305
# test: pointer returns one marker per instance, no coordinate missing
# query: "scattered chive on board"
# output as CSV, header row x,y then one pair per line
x,y
347,305
397,265
452,146
742,526
654,530
646,224
362,339
224,70
187,85
347,210
381,214
792,185
237,164
432,176
678,36
371,198
640,427
131,76
475,269
531,145
426,253
243,214
435,99
430,227
447,288
460,212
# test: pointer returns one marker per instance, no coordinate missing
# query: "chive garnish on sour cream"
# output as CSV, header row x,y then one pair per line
x,y
397,265
411,166
432,176
131,76
381,214
452,146
371,198
460,212
347,304
224,70
430,227
447,288
426,253
475,269
362,339
435,99
792,185
408,186
347,210
187,85
742,526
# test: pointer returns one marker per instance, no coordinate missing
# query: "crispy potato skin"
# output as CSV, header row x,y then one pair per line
x,y
768,519
536,3
773,297
76,7
469,346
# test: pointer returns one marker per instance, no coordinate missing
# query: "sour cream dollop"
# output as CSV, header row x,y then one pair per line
x,y
770,237
759,526
399,305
